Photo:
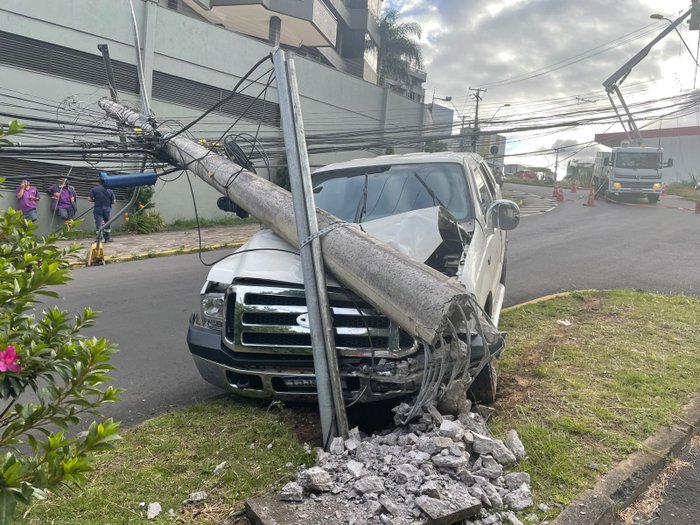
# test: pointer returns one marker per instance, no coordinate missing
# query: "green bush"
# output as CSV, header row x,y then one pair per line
x,y
58,373
146,222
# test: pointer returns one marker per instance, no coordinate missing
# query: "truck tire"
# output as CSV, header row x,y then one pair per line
x,y
483,388
653,199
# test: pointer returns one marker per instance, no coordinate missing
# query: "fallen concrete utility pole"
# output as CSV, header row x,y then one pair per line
x,y
418,298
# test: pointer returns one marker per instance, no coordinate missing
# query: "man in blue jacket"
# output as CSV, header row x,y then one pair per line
x,y
103,199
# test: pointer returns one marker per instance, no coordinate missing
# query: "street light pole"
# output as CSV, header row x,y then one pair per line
x,y
657,16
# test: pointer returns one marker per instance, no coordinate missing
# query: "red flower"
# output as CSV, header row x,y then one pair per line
x,y
8,360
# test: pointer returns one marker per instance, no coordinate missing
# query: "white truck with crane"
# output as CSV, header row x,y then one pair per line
x,y
629,171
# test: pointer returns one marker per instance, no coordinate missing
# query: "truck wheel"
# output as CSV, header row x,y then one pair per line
x,y
653,199
483,389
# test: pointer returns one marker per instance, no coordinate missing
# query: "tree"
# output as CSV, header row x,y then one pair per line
x,y
435,146
398,49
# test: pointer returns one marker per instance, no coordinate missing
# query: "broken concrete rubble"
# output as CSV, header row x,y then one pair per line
x,y
450,471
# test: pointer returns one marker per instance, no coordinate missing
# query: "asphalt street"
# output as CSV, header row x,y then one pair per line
x,y
145,304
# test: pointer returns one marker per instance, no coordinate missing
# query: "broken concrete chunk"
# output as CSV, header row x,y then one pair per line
x,y
220,467
450,462
514,480
355,468
519,499
391,507
512,519
351,445
502,454
337,446
354,433
490,468
316,479
430,488
369,484
451,429
196,497
514,444
441,514
292,492
454,400
153,510
406,472
442,442
482,444
374,508
321,456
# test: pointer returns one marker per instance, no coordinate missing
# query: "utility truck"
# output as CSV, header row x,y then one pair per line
x,y
629,171
252,333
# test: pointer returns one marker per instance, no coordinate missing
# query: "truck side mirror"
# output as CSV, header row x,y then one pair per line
x,y
669,163
503,214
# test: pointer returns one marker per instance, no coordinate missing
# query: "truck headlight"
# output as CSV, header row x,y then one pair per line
x,y
213,310
656,186
617,185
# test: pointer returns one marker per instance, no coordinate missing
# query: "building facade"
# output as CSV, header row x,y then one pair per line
x,y
48,53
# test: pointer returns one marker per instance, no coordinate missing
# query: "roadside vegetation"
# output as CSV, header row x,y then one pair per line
x,y
585,379
684,189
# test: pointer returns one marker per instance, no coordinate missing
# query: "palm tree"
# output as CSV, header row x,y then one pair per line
x,y
398,49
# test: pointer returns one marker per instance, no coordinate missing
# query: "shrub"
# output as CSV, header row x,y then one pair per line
x,y
58,373
146,222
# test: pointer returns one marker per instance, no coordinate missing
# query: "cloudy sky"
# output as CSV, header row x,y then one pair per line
x,y
540,55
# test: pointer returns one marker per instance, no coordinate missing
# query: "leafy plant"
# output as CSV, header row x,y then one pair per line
x,y
13,128
147,222
50,375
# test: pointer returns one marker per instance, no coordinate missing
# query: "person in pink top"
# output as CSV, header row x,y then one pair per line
x,y
27,197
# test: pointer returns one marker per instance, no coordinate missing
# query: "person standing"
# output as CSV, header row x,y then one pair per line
x,y
63,200
103,199
27,197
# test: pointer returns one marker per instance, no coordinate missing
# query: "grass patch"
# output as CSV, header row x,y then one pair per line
x,y
584,397
167,458
188,224
684,189
581,397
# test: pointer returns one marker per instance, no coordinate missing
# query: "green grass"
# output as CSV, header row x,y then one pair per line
x,y
685,190
582,398
169,457
187,224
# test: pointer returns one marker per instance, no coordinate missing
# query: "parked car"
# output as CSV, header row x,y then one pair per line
x,y
251,335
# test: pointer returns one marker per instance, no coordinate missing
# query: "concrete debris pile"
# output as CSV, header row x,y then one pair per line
x,y
438,469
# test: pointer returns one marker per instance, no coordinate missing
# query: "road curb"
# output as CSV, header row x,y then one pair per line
x,y
626,481
160,253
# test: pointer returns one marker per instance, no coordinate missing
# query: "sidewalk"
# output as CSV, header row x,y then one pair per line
x,y
126,247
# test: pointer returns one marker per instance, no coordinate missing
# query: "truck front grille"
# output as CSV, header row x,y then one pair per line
x,y
267,319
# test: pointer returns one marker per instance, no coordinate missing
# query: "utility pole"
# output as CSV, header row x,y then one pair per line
x,y
556,165
475,129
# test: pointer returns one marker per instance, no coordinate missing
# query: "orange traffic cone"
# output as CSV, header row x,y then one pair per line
x,y
555,193
573,187
591,199
560,195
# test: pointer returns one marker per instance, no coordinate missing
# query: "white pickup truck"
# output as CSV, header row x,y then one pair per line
x,y
444,209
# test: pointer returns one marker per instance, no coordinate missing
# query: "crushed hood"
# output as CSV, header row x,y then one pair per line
x,y
267,257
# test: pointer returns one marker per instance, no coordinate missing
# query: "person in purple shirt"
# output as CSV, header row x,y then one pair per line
x,y
63,200
27,197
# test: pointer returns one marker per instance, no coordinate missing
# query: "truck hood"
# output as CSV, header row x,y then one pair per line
x,y
267,257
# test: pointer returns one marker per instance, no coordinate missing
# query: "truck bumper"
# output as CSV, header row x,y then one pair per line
x,y
272,379
221,367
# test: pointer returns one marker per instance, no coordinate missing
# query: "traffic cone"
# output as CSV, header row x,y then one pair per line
x,y
591,199
573,187
555,193
697,207
560,195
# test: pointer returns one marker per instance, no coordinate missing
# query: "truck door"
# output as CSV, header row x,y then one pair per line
x,y
484,256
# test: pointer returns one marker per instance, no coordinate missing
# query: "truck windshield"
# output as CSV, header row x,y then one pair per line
x,y
371,192
638,160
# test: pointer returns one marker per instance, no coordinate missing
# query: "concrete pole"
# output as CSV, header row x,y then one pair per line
x,y
274,31
416,297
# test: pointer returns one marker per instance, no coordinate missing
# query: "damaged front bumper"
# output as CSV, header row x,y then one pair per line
x,y
289,378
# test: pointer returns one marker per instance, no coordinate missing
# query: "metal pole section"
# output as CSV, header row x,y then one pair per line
x,y
328,385
139,63
104,49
